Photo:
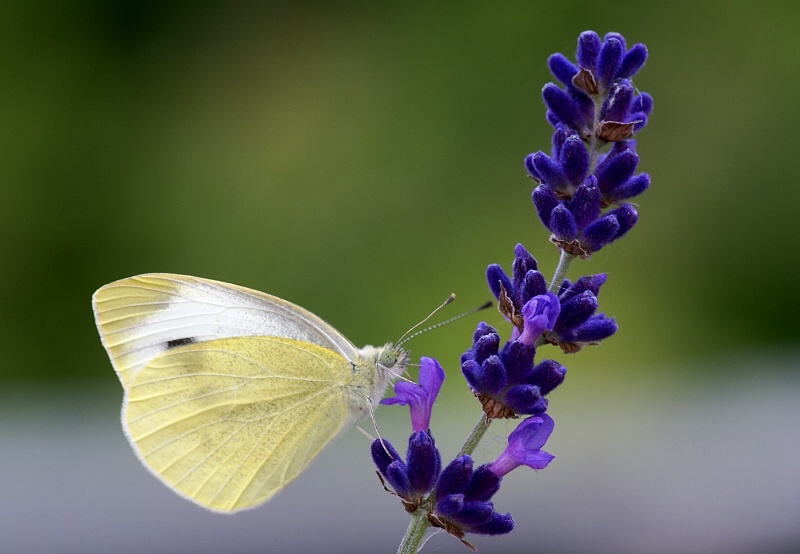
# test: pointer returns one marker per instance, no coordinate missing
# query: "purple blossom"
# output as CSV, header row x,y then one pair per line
x,y
539,315
414,479
419,397
525,446
462,500
603,73
506,381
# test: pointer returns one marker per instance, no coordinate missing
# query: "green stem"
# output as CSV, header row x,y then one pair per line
x,y
561,272
415,533
475,437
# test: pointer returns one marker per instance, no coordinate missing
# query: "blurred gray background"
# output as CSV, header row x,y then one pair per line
x,y
364,160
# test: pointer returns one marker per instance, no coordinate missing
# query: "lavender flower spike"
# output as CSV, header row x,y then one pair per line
x,y
419,397
525,446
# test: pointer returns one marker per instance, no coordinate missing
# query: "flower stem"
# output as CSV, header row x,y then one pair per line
x,y
561,272
415,533
475,437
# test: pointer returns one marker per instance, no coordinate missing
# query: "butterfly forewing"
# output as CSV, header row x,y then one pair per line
x,y
229,422
142,317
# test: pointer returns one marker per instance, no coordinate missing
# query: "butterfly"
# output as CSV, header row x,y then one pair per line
x,y
230,393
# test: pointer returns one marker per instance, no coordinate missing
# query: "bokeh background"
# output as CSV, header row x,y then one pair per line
x,y
364,160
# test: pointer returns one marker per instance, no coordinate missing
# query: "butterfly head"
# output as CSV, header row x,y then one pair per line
x,y
392,361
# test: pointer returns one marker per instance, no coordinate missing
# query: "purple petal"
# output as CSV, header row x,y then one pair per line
x,y
539,314
524,446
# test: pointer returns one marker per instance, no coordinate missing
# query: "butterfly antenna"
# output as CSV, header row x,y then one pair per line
x,y
450,298
403,339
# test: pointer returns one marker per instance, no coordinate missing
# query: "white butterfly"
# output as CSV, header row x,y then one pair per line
x,y
230,392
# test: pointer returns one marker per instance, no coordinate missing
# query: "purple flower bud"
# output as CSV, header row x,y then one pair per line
x,y
596,328
525,399
531,169
548,375
574,160
564,107
616,171
525,446
455,478
609,61
588,282
533,284
562,69
626,217
500,524
632,187
486,346
545,202
585,203
642,102
419,397
576,310
424,463
588,49
562,224
523,263
462,499
618,102
496,278
549,170
600,232
397,476
632,61
483,484
492,376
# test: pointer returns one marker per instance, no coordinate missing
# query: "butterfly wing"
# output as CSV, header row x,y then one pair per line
x,y
141,317
229,422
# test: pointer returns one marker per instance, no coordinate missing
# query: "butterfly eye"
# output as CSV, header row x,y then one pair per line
x,y
388,358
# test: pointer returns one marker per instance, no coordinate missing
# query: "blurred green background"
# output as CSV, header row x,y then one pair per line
x,y
364,160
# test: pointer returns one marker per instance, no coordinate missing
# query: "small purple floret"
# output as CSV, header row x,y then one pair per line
x,y
419,397
525,446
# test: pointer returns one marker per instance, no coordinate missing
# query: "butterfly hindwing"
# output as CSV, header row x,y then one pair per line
x,y
229,422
